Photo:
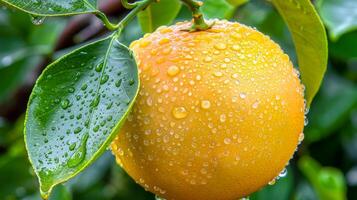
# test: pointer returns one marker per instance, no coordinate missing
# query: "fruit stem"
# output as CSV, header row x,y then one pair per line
x,y
199,23
138,6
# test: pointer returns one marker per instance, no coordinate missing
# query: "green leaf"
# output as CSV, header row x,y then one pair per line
x,y
340,16
220,9
158,14
310,41
54,7
76,108
331,108
329,183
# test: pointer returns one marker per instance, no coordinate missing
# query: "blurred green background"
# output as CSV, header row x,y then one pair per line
x,y
324,167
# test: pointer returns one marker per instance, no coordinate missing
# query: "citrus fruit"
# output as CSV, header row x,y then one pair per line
x,y
219,113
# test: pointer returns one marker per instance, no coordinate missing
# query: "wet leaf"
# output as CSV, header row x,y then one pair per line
x,y
76,109
158,14
53,8
310,41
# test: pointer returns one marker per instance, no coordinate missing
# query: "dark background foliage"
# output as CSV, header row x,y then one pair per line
x,y
324,167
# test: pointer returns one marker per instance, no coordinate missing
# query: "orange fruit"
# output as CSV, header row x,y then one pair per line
x,y
219,113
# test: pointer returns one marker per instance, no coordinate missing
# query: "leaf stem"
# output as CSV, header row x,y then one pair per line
x,y
128,5
199,23
105,21
138,6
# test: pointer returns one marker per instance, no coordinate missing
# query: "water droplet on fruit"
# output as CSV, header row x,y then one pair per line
x,y
301,137
255,105
218,74
205,104
164,41
208,59
227,141
179,112
272,182
220,46
173,70
222,118
242,95
283,173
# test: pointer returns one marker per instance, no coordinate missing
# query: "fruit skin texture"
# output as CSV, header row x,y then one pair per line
x,y
218,115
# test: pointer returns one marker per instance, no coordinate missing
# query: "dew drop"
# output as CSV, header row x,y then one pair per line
x,y
84,87
99,67
283,173
218,74
255,105
301,137
272,182
77,130
205,104
80,154
104,79
306,121
164,41
220,46
65,104
37,20
71,90
179,112
131,82
72,146
149,101
243,95
118,83
235,47
96,128
173,70
208,59
222,118
227,140
95,101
